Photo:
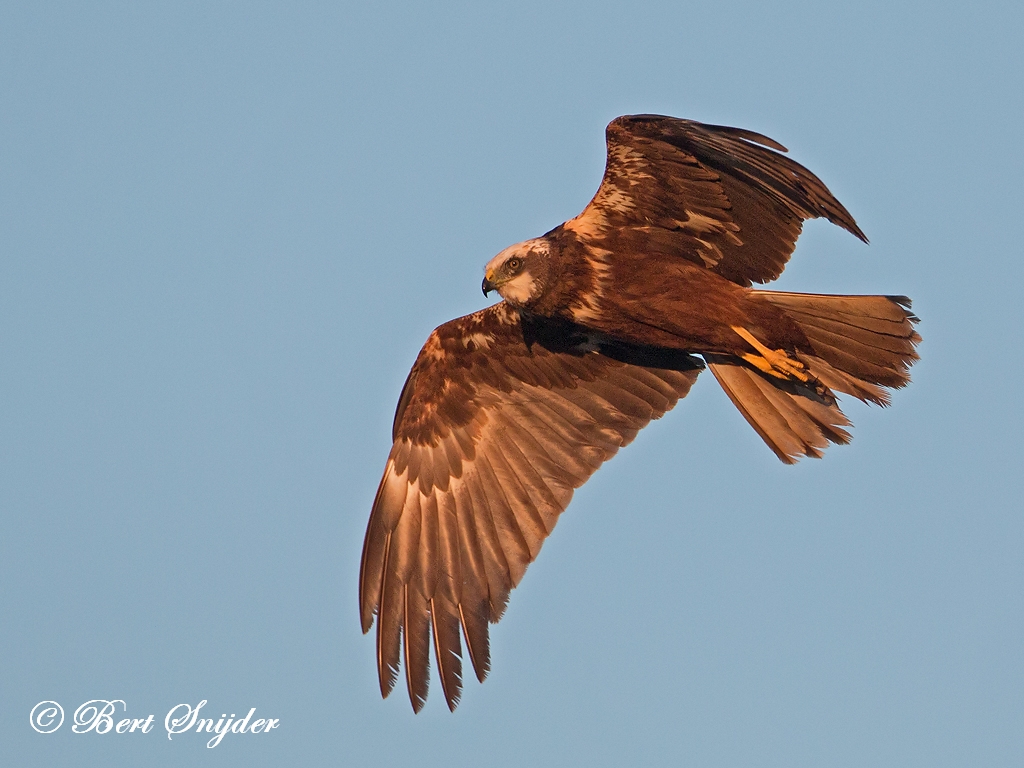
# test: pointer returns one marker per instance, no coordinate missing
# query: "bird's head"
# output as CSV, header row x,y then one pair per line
x,y
518,273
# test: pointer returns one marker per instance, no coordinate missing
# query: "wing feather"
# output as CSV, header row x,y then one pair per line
x,y
491,439
496,565
389,623
474,605
449,564
445,621
510,536
417,622
428,554
549,482
528,460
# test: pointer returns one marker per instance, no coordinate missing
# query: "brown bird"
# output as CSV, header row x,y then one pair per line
x,y
509,409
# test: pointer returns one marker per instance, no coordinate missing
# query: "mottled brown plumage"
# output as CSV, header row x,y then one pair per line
x,y
508,410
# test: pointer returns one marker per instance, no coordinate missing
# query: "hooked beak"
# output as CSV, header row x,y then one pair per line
x,y
487,286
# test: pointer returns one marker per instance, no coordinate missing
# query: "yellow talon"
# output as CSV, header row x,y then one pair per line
x,y
773,362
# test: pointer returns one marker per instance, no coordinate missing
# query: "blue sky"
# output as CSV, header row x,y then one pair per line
x,y
225,231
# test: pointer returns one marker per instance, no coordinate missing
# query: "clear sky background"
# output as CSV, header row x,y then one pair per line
x,y
227,228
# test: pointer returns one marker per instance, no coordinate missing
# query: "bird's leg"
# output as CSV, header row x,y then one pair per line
x,y
773,362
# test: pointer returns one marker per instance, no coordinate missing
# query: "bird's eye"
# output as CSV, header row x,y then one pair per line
x,y
514,264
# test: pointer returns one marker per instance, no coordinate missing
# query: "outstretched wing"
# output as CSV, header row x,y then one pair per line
x,y
500,419
721,197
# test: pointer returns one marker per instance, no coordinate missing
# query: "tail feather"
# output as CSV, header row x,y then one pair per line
x,y
792,419
862,345
870,338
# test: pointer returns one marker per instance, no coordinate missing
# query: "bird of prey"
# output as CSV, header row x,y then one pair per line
x,y
605,322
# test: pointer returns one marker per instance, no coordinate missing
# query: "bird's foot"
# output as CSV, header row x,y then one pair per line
x,y
774,362
778,364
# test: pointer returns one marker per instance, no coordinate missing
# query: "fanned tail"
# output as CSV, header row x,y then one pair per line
x,y
863,345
